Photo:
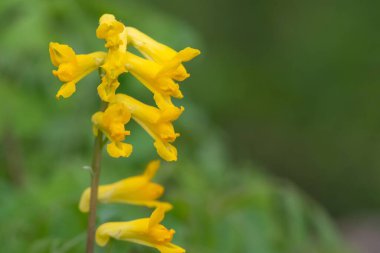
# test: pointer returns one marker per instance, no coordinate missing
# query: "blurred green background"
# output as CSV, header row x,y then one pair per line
x,y
281,113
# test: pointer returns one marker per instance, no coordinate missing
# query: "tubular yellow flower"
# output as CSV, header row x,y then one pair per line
x,y
154,76
156,122
147,231
137,190
72,67
161,53
112,122
116,41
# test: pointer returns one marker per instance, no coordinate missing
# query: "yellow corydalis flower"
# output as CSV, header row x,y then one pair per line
x,y
157,123
72,67
161,53
114,33
137,190
111,122
159,78
146,231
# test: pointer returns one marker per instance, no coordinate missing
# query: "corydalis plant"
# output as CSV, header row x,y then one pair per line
x,y
158,71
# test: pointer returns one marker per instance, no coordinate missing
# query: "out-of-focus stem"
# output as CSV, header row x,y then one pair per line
x,y
95,169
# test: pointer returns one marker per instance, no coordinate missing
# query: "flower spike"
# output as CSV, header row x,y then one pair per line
x,y
159,69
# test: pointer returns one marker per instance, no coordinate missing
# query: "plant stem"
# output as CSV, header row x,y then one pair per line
x,y
96,160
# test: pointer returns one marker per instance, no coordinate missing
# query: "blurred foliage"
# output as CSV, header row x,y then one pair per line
x,y
296,85
216,209
220,206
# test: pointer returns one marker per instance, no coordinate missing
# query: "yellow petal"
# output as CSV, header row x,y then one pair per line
x,y
119,149
60,53
166,151
107,89
169,111
156,217
66,90
151,169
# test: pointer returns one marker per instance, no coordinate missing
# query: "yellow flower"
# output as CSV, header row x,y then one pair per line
x,y
161,53
72,67
112,122
146,231
156,77
115,63
156,122
150,74
137,190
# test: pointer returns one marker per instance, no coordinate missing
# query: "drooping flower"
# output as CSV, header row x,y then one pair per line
x,y
146,231
113,32
72,67
161,53
155,122
137,190
159,78
111,122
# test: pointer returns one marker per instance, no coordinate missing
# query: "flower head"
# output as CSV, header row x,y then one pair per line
x,y
147,231
159,71
111,122
137,190
72,67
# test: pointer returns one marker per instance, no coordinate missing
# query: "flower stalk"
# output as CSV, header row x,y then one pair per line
x,y
95,175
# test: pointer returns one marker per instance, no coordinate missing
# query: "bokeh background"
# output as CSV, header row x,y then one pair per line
x,y
280,141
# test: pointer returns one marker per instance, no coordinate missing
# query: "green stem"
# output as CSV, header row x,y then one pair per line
x,y
95,169
96,160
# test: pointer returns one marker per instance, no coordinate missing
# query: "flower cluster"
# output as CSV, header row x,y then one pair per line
x,y
159,69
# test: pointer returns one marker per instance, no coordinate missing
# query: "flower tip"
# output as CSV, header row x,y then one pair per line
x,y
151,169
85,201
101,237
188,54
66,90
60,53
106,18
119,149
167,206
